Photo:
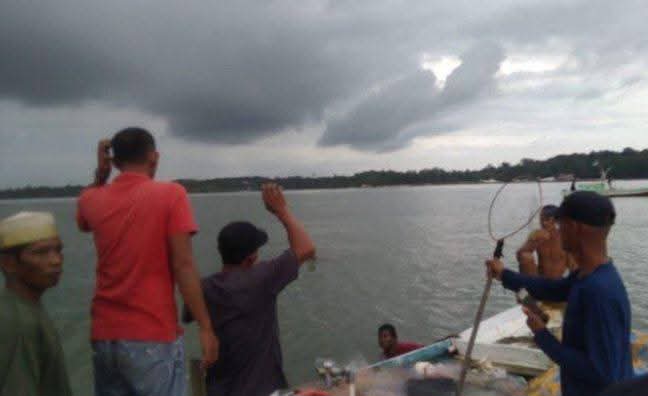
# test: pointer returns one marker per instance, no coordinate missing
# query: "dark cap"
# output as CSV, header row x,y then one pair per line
x,y
238,240
589,208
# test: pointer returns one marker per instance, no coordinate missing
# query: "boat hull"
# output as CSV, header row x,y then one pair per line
x,y
519,356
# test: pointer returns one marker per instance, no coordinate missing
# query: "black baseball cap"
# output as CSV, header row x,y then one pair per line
x,y
589,208
238,240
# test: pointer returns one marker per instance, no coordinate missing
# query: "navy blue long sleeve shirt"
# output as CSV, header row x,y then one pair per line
x,y
595,349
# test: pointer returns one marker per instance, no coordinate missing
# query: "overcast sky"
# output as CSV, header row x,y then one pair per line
x,y
303,87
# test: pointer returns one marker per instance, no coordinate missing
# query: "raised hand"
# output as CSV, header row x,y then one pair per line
x,y
104,162
273,198
494,268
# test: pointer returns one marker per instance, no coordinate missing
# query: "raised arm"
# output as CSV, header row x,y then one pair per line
x,y
538,287
188,282
101,175
301,243
104,163
526,253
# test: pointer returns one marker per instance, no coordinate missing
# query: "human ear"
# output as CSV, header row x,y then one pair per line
x,y
9,263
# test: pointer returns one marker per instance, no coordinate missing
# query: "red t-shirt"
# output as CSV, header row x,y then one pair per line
x,y
403,348
131,220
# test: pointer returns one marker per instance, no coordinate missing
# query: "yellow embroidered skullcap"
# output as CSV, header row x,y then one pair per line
x,y
26,227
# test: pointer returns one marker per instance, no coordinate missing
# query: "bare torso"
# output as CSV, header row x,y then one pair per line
x,y
553,261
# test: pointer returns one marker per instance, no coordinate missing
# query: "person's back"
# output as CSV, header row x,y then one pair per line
x,y
243,307
130,219
600,294
142,232
242,301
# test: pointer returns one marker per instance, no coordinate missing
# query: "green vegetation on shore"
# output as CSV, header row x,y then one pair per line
x,y
627,164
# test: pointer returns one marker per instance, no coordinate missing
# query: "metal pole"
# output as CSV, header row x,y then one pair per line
x,y
473,335
477,322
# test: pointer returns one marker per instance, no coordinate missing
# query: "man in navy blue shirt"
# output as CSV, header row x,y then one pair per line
x,y
595,348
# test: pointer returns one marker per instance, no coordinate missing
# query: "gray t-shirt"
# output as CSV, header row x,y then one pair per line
x,y
242,305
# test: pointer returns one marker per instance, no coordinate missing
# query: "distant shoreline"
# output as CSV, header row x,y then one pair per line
x,y
628,164
192,193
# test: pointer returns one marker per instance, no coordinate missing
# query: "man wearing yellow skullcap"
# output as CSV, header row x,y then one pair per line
x,y
31,260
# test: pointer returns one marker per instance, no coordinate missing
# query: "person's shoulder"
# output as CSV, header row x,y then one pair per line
x,y
411,345
165,190
285,258
214,285
287,255
602,284
89,192
171,188
539,235
534,233
23,317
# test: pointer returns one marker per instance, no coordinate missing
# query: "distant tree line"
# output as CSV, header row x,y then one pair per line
x,y
627,164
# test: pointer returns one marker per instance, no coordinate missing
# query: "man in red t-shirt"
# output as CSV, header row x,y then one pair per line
x,y
142,233
388,341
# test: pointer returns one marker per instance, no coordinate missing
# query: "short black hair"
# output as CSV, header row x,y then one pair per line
x,y
238,240
131,146
388,327
549,211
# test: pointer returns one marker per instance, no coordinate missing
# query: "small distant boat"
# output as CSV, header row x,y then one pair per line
x,y
604,187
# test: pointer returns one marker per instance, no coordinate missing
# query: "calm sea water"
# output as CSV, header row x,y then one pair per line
x,y
412,256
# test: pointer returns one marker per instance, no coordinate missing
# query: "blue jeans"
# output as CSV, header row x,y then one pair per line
x,y
135,368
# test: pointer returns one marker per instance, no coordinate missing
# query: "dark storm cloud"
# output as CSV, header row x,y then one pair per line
x,y
45,61
235,72
228,73
382,121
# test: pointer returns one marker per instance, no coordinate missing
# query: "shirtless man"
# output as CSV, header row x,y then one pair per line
x,y
553,261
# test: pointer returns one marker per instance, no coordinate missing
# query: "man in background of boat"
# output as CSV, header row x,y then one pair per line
x,y
142,231
242,302
391,347
553,261
31,260
595,349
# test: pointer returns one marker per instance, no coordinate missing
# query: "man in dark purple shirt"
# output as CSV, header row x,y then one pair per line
x,y
242,302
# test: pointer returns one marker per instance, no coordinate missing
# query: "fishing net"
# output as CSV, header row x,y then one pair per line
x,y
506,217
513,209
